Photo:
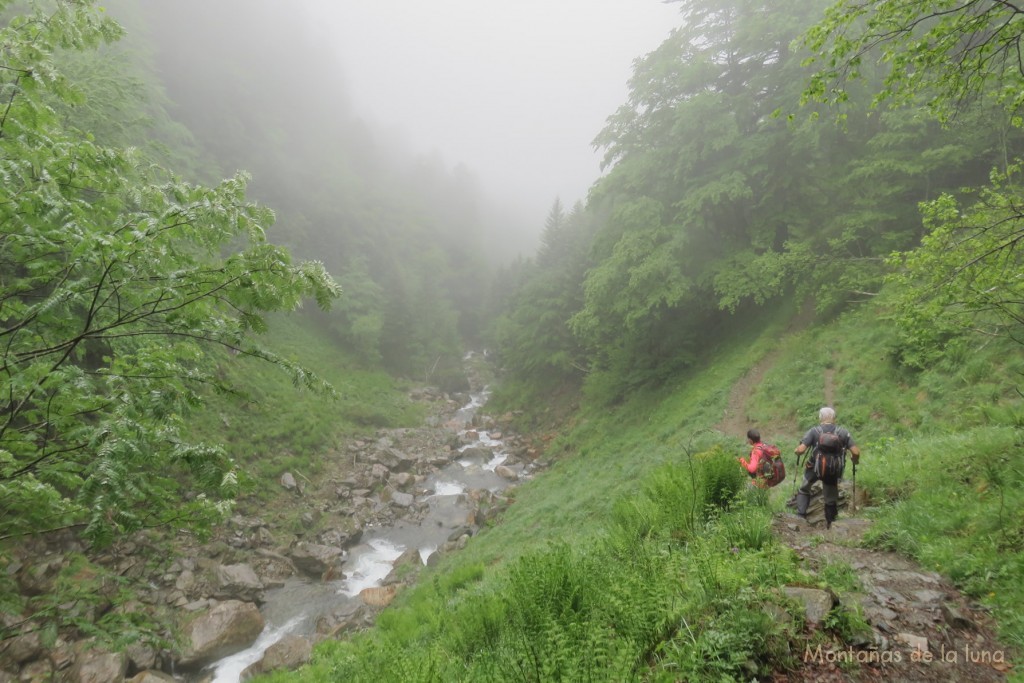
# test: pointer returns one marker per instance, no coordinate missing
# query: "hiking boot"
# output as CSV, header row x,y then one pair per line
x,y
802,501
831,512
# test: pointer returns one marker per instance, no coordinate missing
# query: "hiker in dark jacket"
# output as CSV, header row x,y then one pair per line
x,y
830,489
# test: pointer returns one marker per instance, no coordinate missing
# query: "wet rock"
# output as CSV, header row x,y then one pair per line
x,y
816,603
478,452
152,677
314,559
378,597
288,654
238,582
406,565
340,538
506,472
343,619
224,629
402,500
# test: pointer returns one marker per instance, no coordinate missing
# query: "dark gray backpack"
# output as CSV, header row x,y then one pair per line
x,y
829,455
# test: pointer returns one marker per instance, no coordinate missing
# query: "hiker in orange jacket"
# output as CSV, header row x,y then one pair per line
x,y
757,453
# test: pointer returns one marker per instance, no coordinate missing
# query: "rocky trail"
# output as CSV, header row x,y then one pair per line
x,y
921,627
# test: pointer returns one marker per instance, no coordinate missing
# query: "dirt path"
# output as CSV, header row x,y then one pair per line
x,y
922,628
734,419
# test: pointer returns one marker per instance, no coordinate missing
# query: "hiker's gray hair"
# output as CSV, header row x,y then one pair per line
x,y
826,416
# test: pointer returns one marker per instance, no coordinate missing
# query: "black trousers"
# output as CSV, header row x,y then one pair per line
x,y
829,491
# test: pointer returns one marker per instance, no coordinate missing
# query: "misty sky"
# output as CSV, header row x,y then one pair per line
x,y
515,89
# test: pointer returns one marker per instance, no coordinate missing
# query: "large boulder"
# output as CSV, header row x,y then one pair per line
x,y
22,648
315,559
289,653
152,677
238,582
396,460
93,665
222,630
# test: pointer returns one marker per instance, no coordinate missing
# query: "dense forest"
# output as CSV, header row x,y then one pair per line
x,y
824,196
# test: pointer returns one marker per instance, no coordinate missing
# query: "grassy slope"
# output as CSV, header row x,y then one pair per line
x,y
275,426
607,517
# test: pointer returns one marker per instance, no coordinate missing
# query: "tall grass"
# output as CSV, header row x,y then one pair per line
x,y
640,556
272,426
639,602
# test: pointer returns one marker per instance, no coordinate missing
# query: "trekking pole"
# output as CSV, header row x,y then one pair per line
x,y
796,473
853,495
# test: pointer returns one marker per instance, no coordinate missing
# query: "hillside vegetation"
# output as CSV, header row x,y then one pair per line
x,y
640,556
802,204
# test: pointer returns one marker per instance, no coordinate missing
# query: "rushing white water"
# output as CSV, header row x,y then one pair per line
x,y
371,567
448,488
370,563
229,670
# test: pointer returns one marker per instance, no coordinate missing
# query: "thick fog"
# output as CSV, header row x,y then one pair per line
x,y
510,94
516,90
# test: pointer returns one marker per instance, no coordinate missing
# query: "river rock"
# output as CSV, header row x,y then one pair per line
x,y
479,452
289,653
152,677
340,538
346,618
506,472
406,565
224,629
378,597
402,500
314,559
403,480
396,460
238,582
93,665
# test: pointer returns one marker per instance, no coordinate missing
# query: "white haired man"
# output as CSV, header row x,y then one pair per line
x,y
837,441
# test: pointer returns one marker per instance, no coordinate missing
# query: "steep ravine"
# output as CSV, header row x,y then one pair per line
x,y
309,558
